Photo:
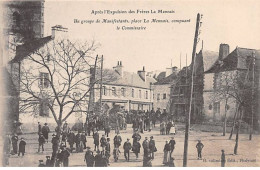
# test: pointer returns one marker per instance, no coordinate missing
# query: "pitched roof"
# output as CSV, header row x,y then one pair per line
x,y
128,79
209,58
236,60
26,49
167,80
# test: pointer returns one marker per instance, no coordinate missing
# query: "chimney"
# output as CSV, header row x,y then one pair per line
x,y
170,71
223,51
58,31
141,73
119,68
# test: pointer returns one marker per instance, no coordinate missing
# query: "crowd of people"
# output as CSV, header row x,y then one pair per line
x,y
66,141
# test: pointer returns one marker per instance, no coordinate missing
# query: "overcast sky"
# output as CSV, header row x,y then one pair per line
x,y
234,22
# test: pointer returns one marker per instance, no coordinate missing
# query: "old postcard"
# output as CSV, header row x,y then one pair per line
x,y
125,83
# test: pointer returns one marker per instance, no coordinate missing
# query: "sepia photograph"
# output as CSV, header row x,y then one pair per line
x,y
125,83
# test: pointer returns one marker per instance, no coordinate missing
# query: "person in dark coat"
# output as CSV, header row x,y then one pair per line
x,y
14,140
41,141
199,147
166,150
223,158
152,147
45,131
65,156
107,150
48,162
136,148
136,136
127,147
98,159
71,139
39,128
146,147
22,147
117,140
168,127
172,144
107,130
55,143
89,158
78,140
84,140
103,142
96,140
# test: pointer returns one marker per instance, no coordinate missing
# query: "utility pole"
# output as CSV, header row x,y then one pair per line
x,y
101,83
185,154
252,105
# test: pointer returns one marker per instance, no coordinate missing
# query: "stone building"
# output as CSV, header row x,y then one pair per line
x,y
162,89
132,91
23,22
235,74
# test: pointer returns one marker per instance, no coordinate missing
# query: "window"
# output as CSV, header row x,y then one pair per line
x,y
113,91
158,96
216,107
146,94
16,19
140,94
104,90
44,80
123,92
164,95
133,92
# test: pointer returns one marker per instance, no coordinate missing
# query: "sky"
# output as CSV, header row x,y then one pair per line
x,y
234,22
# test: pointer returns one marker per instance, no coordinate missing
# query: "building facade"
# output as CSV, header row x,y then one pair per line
x,y
132,91
236,78
162,90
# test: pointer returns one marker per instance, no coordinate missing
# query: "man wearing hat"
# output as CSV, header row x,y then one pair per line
x,y
223,158
55,143
39,128
65,156
199,147
103,142
22,147
14,140
127,147
107,150
146,147
41,141
117,140
96,140
89,157
83,139
172,145
48,161
98,159
152,147
45,131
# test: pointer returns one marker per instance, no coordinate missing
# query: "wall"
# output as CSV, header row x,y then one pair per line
x,y
161,103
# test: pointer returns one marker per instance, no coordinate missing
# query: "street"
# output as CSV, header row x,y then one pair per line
x,y
248,151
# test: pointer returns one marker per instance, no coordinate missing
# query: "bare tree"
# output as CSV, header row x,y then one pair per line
x,y
233,85
221,93
63,83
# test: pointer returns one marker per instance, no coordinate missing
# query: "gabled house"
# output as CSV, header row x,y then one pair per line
x,y
237,72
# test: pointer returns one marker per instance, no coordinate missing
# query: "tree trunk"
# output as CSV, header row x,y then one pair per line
x,y
225,119
233,124
238,129
54,154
